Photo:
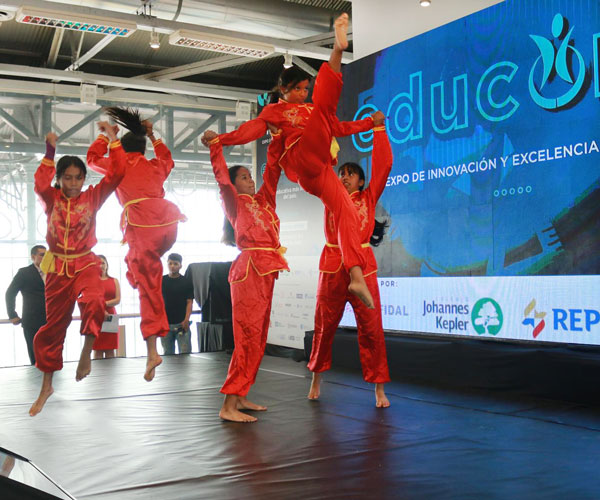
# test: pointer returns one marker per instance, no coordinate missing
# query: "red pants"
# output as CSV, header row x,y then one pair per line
x,y
310,157
61,295
145,271
251,305
332,295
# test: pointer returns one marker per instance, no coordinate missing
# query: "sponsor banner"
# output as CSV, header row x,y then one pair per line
x,y
534,308
293,311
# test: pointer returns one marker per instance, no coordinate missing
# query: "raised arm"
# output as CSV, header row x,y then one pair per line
x,y
248,131
342,129
382,160
115,169
96,155
268,190
45,173
161,152
227,189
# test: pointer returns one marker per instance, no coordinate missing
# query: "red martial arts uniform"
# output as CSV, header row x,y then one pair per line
x,y
332,291
149,224
253,273
72,270
308,130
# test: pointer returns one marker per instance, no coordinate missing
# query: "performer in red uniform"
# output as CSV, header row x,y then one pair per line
x,y
308,131
149,222
72,270
107,343
253,273
333,278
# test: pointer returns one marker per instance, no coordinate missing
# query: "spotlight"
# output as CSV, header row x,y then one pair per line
x,y
424,3
287,60
154,40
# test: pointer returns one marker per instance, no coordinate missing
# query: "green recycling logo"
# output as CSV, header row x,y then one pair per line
x,y
486,317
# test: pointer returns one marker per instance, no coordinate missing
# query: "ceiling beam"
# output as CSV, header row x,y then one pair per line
x,y
80,124
61,149
79,61
16,125
304,66
172,87
55,48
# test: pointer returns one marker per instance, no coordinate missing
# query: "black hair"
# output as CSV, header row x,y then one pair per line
x,y
228,237
380,226
133,141
35,248
175,257
66,162
288,78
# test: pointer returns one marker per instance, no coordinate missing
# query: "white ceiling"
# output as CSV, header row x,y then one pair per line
x,y
378,24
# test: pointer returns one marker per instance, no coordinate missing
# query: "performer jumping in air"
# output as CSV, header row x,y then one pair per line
x,y
252,276
308,130
72,270
149,222
333,279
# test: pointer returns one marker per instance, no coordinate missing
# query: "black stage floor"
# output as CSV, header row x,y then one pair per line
x,y
114,436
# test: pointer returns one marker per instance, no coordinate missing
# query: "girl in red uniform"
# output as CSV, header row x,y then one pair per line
x,y
307,131
333,279
72,270
149,222
253,273
107,343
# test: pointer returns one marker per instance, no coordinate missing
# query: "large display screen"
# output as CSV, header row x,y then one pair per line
x,y
494,197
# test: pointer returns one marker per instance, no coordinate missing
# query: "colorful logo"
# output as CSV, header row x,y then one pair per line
x,y
557,62
537,326
487,317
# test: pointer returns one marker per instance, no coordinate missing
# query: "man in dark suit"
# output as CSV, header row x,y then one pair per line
x,y
30,282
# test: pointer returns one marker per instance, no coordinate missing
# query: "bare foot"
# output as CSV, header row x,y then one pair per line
x,y
84,367
315,387
45,392
381,400
232,415
151,363
362,292
244,404
341,28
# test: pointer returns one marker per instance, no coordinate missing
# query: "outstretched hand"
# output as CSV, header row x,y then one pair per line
x,y
378,118
209,136
51,139
109,130
273,129
148,125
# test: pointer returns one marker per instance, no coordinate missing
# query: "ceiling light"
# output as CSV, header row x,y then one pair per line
x,y
424,3
217,43
287,60
154,40
66,20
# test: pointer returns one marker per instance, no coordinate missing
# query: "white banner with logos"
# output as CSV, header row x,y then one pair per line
x,y
534,308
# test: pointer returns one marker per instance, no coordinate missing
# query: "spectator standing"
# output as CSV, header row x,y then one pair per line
x,y
178,294
30,282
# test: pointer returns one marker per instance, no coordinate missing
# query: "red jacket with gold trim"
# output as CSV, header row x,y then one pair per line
x,y
141,192
253,218
71,232
365,202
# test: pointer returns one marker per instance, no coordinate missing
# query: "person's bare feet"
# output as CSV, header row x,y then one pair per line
x,y
341,29
235,416
315,387
45,392
230,410
84,367
152,362
244,404
381,400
